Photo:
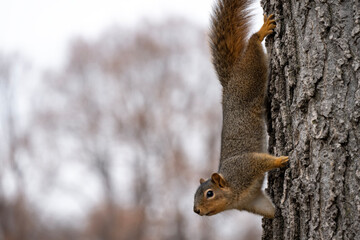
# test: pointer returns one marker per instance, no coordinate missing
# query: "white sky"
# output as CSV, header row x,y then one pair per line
x,y
41,29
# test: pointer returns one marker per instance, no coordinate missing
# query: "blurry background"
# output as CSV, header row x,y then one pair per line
x,y
110,112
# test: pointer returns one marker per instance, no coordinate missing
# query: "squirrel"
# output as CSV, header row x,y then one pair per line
x,y
242,69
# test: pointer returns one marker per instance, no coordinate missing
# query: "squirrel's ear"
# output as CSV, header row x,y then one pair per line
x,y
218,180
202,180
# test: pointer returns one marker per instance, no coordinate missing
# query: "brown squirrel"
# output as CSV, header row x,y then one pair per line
x,y
241,66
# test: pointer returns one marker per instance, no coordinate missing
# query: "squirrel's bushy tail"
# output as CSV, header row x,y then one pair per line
x,y
229,31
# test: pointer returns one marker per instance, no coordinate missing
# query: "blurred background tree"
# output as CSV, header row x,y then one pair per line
x,y
113,144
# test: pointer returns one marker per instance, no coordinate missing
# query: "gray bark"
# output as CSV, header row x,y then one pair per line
x,y
313,116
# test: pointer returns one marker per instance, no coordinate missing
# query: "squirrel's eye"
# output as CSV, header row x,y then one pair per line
x,y
209,194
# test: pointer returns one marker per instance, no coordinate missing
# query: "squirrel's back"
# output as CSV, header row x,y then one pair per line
x,y
228,36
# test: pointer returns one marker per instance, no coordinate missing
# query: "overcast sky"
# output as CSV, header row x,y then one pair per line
x,y
41,29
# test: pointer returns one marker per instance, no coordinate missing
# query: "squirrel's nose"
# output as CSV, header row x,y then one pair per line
x,y
196,210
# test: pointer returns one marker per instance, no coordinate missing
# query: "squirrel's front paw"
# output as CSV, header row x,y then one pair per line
x,y
282,161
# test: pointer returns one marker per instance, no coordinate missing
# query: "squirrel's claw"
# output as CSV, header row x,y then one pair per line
x,y
282,161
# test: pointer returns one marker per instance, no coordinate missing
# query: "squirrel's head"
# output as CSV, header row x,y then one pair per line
x,y
212,196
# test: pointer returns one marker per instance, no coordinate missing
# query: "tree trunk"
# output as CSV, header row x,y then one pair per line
x,y
313,116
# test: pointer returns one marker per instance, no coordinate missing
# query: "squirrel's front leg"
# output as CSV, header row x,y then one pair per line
x,y
266,162
261,205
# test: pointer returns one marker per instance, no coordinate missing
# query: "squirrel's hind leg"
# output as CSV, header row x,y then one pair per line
x,y
267,27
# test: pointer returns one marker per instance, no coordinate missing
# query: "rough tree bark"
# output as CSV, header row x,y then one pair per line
x,y
314,114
